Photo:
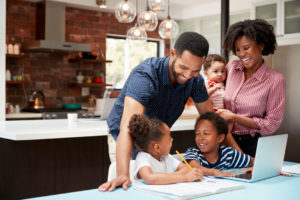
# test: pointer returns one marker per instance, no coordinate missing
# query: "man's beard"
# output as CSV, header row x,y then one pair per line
x,y
173,71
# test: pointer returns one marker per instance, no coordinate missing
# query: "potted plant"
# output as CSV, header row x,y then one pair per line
x,y
99,78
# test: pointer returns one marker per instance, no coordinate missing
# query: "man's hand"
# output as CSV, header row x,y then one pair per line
x,y
121,180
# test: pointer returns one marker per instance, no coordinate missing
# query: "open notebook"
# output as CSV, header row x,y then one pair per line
x,y
181,191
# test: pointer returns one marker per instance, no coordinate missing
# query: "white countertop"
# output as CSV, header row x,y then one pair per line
x,y
61,128
24,115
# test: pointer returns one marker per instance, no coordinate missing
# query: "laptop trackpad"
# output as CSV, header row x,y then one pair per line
x,y
247,176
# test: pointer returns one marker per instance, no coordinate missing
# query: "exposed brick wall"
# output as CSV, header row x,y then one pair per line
x,y
51,72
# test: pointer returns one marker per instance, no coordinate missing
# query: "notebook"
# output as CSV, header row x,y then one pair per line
x,y
291,170
107,106
268,159
188,190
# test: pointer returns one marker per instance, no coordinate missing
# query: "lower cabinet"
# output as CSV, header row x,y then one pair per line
x,y
44,167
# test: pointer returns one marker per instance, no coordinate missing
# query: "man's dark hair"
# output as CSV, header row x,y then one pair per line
x,y
193,42
219,122
257,30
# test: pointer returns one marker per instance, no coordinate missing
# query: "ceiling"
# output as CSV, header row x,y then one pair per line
x,y
179,9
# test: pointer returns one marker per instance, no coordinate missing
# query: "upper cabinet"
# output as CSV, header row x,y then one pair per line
x,y
284,15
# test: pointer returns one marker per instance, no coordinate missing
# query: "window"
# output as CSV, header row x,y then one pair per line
x,y
125,56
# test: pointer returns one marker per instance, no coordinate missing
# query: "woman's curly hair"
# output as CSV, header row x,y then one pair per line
x,y
257,30
144,130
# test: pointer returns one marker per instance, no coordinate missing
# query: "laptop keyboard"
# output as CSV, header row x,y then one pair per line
x,y
247,176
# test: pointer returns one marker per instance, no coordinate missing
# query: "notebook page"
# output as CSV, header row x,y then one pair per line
x,y
192,189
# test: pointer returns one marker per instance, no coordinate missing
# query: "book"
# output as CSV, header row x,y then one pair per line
x,y
188,190
291,169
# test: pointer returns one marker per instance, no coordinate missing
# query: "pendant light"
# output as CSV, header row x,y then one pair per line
x,y
101,3
136,32
148,19
157,5
168,28
125,11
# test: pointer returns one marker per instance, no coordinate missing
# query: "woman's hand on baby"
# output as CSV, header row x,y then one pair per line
x,y
226,114
194,174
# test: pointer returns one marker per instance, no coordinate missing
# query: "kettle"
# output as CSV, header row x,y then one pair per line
x,y
36,100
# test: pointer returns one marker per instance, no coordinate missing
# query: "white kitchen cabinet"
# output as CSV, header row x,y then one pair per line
x,y
284,15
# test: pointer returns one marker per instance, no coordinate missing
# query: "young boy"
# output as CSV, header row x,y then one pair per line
x,y
210,156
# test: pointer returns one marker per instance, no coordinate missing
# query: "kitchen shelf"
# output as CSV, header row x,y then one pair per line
x,y
89,60
17,82
22,55
90,84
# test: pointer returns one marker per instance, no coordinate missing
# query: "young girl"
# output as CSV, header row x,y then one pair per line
x,y
214,69
210,156
153,163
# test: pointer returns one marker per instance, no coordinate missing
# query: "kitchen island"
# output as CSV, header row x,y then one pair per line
x,y
43,157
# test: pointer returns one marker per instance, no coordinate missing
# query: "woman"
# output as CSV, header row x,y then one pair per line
x,y
255,94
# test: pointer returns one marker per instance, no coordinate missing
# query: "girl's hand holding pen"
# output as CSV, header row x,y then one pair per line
x,y
194,174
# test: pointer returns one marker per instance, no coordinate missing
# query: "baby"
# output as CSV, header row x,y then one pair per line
x,y
153,163
210,156
215,71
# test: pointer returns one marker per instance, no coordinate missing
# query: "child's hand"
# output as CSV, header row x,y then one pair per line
x,y
249,170
219,173
218,85
194,174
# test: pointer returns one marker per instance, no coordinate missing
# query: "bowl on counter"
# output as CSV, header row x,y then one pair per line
x,y
70,106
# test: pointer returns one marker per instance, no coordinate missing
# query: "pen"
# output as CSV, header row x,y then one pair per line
x,y
182,158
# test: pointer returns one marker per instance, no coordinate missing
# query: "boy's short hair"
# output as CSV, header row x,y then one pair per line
x,y
218,122
213,58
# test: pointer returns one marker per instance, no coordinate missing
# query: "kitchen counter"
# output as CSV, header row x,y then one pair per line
x,y
24,115
61,128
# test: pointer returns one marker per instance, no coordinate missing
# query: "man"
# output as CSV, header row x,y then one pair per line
x,y
158,88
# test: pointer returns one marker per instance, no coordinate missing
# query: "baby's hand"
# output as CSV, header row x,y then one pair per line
x,y
194,174
218,85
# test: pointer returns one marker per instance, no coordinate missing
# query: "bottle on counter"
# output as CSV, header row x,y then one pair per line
x,y
8,75
17,108
79,78
10,49
16,49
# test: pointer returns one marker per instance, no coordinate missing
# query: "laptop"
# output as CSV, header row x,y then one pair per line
x,y
107,106
268,160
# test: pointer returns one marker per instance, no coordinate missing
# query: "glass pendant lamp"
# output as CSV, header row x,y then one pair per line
x,y
148,20
136,32
168,28
157,5
125,11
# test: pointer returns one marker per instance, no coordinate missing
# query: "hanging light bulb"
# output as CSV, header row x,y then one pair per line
x,y
101,3
168,28
148,20
157,5
136,32
125,11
